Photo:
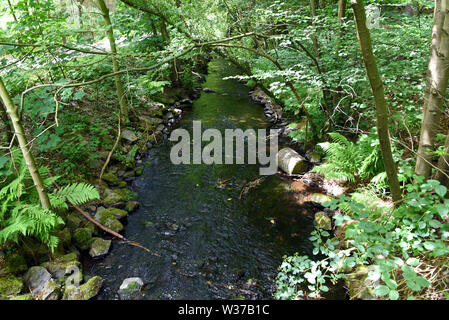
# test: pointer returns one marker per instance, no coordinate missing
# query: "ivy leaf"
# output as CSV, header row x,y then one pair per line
x,y
413,285
412,262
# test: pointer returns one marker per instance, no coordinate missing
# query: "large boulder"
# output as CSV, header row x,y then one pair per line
x,y
41,284
85,291
291,162
129,288
99,247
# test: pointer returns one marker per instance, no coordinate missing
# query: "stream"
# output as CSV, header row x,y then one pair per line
x,y
211,244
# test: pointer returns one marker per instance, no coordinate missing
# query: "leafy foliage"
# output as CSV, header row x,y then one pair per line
x,y
21,213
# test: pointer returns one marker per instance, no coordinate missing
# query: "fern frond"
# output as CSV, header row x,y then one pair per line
x,y
78,193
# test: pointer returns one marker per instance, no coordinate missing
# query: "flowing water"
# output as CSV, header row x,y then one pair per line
x,y
212,245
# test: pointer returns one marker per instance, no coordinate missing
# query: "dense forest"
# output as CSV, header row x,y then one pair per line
x,y
92,92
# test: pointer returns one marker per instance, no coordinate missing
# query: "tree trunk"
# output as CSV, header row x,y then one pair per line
x,y
443,165
437,80
118,79
341,10
314,38
11,109
379,98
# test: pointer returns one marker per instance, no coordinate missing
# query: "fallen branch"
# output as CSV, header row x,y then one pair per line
x,y
106,229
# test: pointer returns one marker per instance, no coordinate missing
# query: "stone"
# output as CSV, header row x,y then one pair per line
x,y
10,285
313,156
323,221
128,135
117,213
16,263
82,238
42,286
320,198
130,287
291,162
359,285
132,206
108,220
73,221
65,237
99,247
148,123
85,291
113,197
113,181
208,90
58,269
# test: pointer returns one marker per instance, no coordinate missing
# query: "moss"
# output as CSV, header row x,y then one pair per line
x,y
99,247
112,180
109,220
117,213
85,291
10,285
82,238
131,206
16,263
22,297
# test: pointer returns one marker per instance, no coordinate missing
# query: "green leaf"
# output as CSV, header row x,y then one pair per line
x,y
393,295
422,282
441,190
413,285
412,262
381,291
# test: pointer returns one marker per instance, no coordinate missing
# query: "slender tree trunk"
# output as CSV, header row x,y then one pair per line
x,y
314,38
443,165
12,10
341,10
437,81
174,67
11,109
116,68
379,98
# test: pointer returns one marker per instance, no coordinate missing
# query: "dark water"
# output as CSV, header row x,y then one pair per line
x,y
212,245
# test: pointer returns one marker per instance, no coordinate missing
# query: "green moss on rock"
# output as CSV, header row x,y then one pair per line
x,y
10,285
109,220
84,292
117,213
82,238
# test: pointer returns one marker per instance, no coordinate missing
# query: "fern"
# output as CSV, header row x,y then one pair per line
x,y
21,214
352,161
77,193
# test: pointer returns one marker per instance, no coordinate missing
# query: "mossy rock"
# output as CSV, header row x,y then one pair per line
x,y
73,221
117,213
27,296
82,238
139,171
59,269
114,197
99,247
109,220
359,285
132,206
84,292
10,285
65,237
320,198
113,181
16,263
323,221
